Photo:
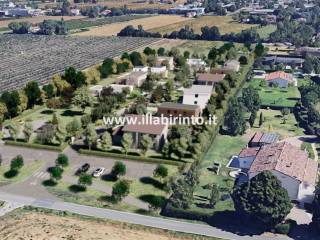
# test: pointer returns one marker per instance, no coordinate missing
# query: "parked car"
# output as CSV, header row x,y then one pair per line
x,y
98,172
84,168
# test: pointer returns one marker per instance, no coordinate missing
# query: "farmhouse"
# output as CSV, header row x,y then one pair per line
x,y
133,79
208,79
291,61
169,109
297,173
146,125
304,51
162,60
197,95
162,70
280,79
140,69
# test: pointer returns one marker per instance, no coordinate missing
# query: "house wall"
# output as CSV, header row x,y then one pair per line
x,y
279,81
196,99
177,112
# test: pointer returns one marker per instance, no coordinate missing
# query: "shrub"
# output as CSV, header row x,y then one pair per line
x,y
283,228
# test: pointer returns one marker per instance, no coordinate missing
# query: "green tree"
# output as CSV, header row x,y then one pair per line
x,y
214,195
60,133
49,90
91,136
161,51
252,118
62,160
136,59
33,93
73,127
120,190
261,119
12,102
82,98
75,78
284,113
85,180
56,173
259,50
251,99
263,198
126,142
316,208
243,60
234,120
27,130
161,172
145,144
17,163
182,194
106,141
119,169
14,130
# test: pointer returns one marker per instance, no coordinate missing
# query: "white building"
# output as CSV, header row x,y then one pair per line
x,y
140,69
160,61
118,88
197,95
162,70
196,63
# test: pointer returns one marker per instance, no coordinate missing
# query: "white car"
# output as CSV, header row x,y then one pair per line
x,y
98,172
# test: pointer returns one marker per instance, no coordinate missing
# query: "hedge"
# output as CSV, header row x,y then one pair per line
x,y
37,146
170,211
130,157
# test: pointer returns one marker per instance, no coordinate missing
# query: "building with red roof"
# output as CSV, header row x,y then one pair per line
x,y
280,79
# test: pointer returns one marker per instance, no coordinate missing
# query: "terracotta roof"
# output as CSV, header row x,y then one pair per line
x,y
287,159
249,152
261,137
208,77
279,74
143,124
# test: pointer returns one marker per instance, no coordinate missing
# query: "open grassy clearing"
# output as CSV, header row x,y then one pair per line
x,y
147,23
25,172
265,31
271,96
38,19
274,123
225,24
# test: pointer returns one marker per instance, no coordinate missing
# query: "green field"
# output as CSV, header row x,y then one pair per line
x,y
280,97
265,31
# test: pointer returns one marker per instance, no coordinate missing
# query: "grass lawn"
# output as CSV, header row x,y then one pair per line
x,y
274,123
25,172
220,151
225,24
90,197
285,97
265,31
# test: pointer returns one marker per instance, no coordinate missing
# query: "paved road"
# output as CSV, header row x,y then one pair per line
x,y
185,227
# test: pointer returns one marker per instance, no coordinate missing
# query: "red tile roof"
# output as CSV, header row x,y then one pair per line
x,y
249,152
287,159
279,74
143,124
208,77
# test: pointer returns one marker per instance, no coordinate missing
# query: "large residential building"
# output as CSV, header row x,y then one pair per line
x,y
146,125
197,95
280,79
208,79
291,165
169,109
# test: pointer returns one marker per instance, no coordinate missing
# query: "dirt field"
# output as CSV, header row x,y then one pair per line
x,y
147,23
34,20
224,23
40,226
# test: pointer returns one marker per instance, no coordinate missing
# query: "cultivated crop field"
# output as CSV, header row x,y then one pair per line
x,y
26,58
147,23
225,24
38,19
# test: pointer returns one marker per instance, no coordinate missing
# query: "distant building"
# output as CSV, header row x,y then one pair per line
x,y
196,63
162,70
133,79
161,60
118,88
169,109
291,61
312,51
140,69
208,79
233,65
197,95
95,90
280,79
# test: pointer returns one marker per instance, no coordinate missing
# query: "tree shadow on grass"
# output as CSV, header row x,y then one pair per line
x,y
11,173
47,112
109,177
107,198
230,221
71,113
152,181
49,183
150,198
75,188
